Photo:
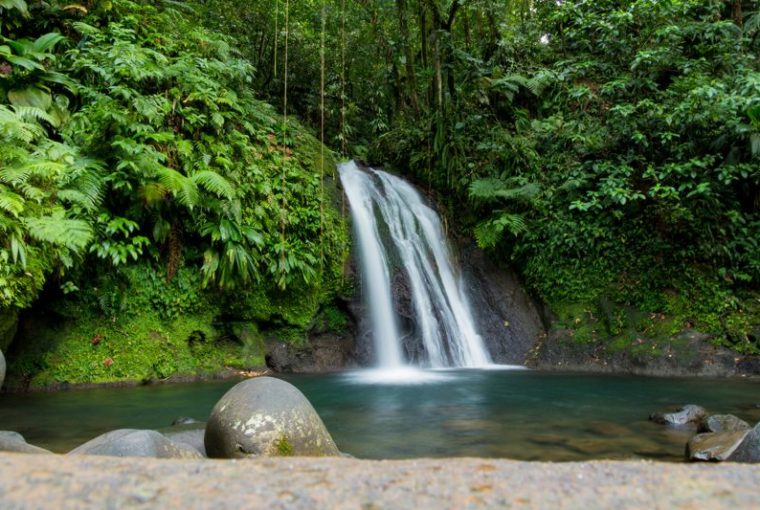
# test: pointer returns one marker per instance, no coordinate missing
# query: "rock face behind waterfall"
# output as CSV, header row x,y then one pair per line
x,y
2,369
506,316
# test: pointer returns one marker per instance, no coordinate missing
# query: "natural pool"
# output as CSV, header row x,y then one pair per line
x,y
485,413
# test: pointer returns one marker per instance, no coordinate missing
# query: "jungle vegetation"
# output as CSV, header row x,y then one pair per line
x,y
164,155
609,150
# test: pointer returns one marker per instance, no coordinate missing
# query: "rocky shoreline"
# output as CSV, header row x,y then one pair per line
x,y
689,354
82,482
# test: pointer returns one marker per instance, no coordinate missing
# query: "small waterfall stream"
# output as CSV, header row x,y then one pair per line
x,y
392,222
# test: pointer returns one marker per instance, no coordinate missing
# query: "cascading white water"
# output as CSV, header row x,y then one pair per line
x,y
374,266
442,313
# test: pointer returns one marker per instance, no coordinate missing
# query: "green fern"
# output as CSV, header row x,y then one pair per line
x,y
58,230
11,202
214,183
19,5
489,233
492,189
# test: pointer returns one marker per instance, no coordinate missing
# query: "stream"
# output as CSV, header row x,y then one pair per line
x,y
515,414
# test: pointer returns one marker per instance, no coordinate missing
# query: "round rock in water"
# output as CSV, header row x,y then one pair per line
x,y
269,417
685,415
136,443
14,442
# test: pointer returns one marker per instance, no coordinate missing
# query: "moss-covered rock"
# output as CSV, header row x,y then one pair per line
x,y
266,417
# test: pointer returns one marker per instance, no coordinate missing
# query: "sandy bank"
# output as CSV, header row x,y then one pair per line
x,y
44,481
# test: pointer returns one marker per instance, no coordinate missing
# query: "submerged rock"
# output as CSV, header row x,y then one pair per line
x,y
189,434
269,417
716,446
14,442
136,443
722,423
184,420
687,414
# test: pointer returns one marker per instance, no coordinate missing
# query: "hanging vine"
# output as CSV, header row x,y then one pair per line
x,y
343,76
284,204
322,134
276,36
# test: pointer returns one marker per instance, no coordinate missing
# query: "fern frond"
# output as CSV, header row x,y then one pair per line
x,y
214,183
489,233
490,189
58,230
11,202
14,128
182,187
28,113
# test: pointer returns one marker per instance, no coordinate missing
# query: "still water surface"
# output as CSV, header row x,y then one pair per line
x,y
486,413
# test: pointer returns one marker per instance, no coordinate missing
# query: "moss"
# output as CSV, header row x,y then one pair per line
x,y
643,323
332,319
137,348
284,447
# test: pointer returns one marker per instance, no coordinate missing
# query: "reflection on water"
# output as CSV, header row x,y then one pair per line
x,y
486,413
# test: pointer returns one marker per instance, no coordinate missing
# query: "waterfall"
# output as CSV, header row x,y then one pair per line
x,y
392,222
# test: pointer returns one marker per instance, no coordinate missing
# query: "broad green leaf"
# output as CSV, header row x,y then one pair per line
x,y
32,97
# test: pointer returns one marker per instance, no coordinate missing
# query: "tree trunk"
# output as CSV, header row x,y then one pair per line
x,y
411,75
738,15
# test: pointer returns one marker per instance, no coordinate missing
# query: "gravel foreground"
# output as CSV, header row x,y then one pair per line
x,y
81,482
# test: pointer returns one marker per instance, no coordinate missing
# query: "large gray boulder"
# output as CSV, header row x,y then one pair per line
x,y
722,423
687,414
136,443
14,442
190,434
268,417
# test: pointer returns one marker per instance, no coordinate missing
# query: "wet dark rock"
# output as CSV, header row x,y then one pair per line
x,y
322,353
687,414
716,446
2,369
722,423
689,353
136,443
749,449
266,417
14,442
507,318
188,434
749,365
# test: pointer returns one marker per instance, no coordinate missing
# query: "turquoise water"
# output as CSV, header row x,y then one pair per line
x,y
485,413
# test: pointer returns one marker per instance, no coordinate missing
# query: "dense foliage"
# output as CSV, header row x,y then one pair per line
x,y
609,149
131,140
